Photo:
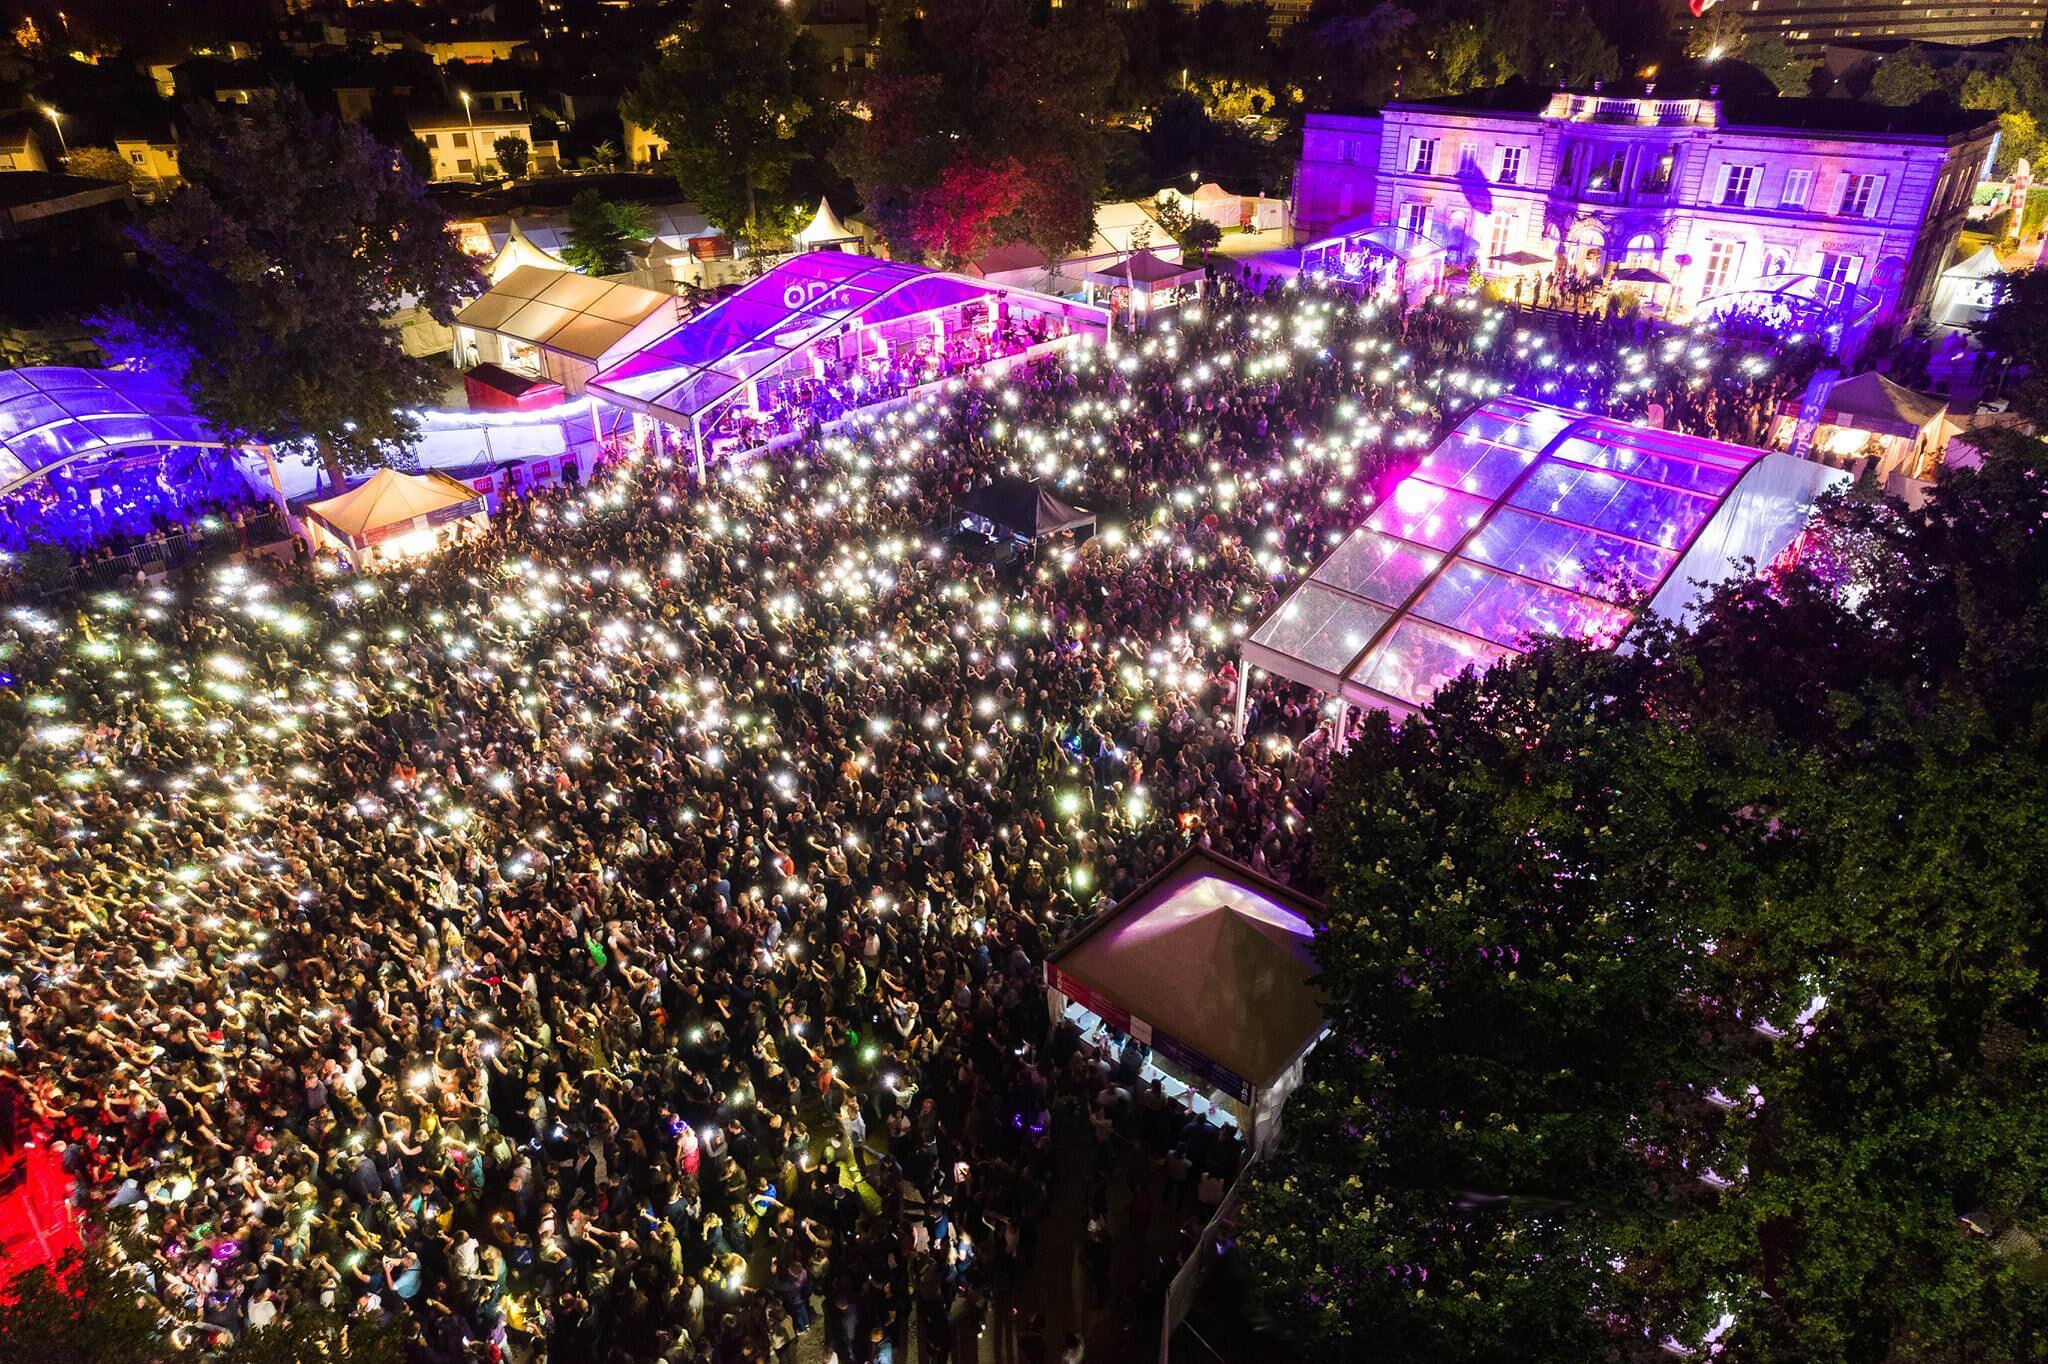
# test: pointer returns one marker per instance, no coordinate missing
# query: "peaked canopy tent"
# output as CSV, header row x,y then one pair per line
x,y
393,516
519,251
1023,509
558,324
1378,255
826,232
1527,520
812,313
1209,964
60,417
1968,290
1145,280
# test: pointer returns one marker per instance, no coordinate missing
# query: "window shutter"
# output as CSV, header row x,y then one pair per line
x,y
1721,194
1500,163
1876,196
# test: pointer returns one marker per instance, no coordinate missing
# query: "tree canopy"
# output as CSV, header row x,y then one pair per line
x,y
739,97
294,240
599,231
1695,994
984,126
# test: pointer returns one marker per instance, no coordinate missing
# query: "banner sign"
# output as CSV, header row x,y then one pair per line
x,y
1186,1059
1811,409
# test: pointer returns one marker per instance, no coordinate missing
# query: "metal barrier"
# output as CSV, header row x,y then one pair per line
x,y
164,554
1180,1294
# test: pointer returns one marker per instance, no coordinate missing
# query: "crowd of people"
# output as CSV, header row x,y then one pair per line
x,y
94,514
620,937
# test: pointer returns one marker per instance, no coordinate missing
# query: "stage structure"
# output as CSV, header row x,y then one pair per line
x,y
60,418
824,334
1527,521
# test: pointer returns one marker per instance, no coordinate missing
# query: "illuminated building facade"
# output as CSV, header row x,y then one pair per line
x,y
1686,202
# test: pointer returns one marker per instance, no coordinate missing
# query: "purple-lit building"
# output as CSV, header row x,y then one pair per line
x,y
1686,202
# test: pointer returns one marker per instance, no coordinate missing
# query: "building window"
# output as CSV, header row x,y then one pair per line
x,y
1736,187
1840,268
135,157
1721,261
464,165
1642,251
1657,175
1422,156
1510,166
1859,195
1798,185
1506,235
1607,172
433,141
459,139
1347,151
1468,159
1415,218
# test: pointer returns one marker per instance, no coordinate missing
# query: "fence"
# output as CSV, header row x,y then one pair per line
x,y
164,554
1180,1294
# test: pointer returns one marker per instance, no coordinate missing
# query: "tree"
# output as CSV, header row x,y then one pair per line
x,y
100,163
1904,78
991,108
2019,139
1769,53
1697,993
89,1310
1190,232
740,101
513,155
2014,332
308,1334
599,231
294,240
1715,34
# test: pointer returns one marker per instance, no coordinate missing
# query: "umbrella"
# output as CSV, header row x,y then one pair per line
x,y
1521,258
1638,274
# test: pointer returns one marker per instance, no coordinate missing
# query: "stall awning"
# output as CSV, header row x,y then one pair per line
x,y
391,499
1871,402
1145,272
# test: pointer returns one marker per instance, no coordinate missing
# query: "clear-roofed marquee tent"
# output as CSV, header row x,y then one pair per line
x,y
1527,521
811,309
62,417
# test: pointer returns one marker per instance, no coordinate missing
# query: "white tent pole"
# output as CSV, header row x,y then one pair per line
x,y
1244,683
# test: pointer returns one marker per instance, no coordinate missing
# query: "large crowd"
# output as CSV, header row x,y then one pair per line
x,y
620,937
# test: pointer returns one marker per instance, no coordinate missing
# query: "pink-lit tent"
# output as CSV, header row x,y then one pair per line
x,y
1207,963
1527,521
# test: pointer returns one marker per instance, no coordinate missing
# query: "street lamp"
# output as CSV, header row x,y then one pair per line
x,y
476,159
57,122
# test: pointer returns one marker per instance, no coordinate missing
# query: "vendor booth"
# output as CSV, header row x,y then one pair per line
x,y
1869,420
1021,510
1208,965
394,516
1142,281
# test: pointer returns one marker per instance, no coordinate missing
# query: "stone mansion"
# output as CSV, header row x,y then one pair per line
x,y
1693,197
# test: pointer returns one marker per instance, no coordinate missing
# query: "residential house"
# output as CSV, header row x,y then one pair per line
x,y
21,145
463,142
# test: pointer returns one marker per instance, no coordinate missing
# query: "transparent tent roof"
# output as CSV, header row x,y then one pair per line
x,y
1365,236
798,303
1526,521
55,415
1809,300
